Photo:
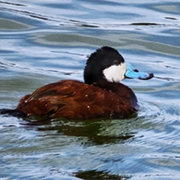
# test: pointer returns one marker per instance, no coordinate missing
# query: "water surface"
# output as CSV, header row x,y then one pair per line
x,y
46,41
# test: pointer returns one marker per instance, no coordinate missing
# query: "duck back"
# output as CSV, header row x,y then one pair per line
x,y
76,100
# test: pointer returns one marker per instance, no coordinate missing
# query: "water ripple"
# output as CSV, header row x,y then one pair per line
x,y
45,41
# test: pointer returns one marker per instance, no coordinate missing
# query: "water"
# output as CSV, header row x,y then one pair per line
x,y
46,41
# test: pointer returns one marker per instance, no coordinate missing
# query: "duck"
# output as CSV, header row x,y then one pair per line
x,y
101,95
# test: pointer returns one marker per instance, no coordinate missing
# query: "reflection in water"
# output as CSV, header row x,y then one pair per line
x,y
91,175
43,42
93,131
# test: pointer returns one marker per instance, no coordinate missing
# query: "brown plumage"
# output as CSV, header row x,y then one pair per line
x,y
77,100
100,96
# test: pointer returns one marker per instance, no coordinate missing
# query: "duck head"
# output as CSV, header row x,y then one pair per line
x,y
107,64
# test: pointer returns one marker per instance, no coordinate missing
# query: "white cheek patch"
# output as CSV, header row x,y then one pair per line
x,y
115,73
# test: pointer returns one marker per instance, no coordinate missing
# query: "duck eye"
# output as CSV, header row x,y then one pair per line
x,y
116,62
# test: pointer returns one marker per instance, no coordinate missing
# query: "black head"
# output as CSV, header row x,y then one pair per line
x,y
107,65
100,60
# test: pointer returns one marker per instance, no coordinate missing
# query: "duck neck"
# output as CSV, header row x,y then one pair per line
x,y
120,90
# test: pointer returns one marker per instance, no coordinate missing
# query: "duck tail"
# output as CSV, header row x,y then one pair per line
x,y
11,112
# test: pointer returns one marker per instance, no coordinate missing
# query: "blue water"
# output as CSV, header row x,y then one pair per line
x,y
46,41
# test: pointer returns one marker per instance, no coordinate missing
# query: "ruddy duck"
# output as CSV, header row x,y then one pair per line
x,y
102,94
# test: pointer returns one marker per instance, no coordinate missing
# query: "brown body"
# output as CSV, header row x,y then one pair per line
x,y
76,100
101,94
